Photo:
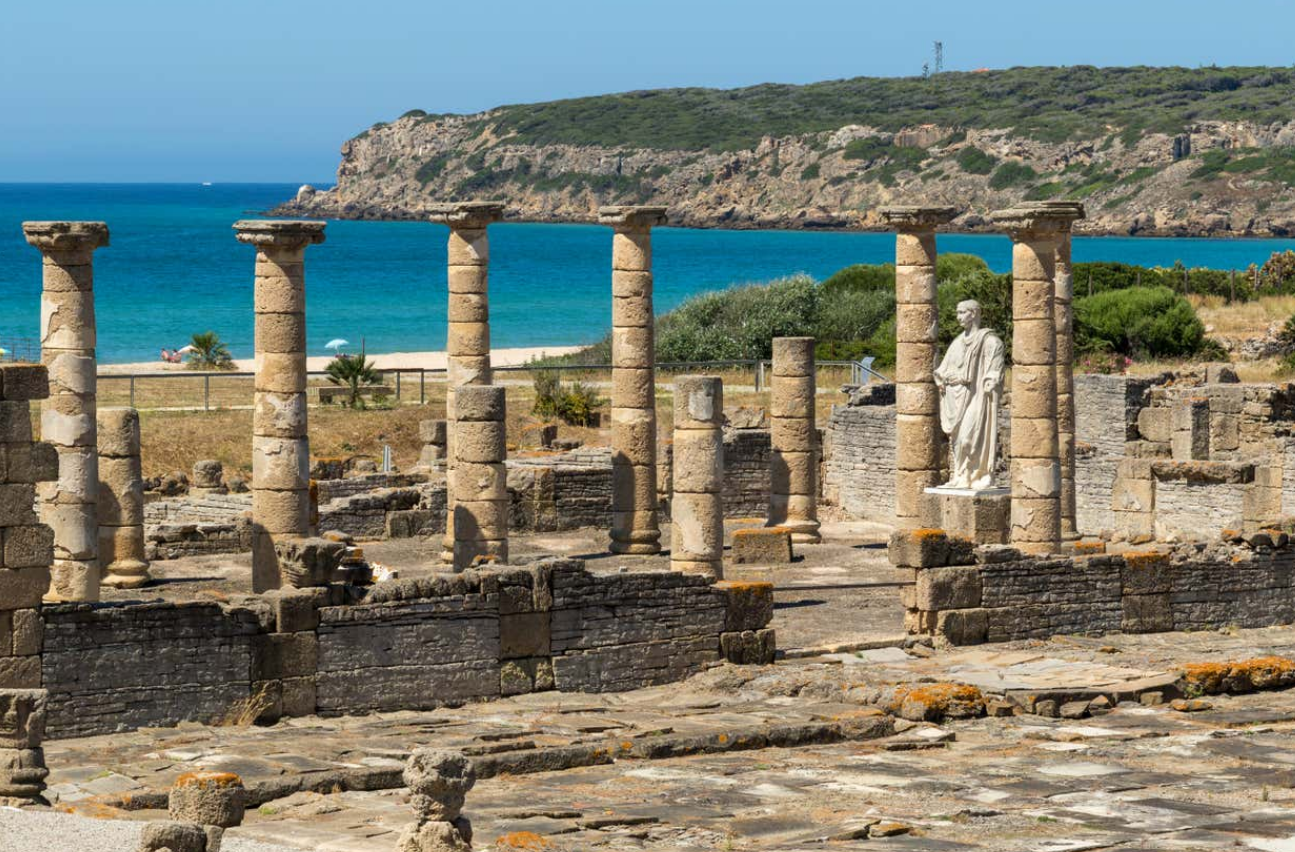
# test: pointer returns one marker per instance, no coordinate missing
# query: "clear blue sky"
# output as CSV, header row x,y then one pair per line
x,y
266,90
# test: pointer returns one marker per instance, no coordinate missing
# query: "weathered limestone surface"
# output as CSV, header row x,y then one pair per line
x,y
635,520
432,456
1064,319
697,507
918,435
121,500
22,760
439,781
467,346
480,505
1036,229
26,545
793,492
280,445
69,506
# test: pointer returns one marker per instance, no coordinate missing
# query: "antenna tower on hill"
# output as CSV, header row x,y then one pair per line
x,y
939,57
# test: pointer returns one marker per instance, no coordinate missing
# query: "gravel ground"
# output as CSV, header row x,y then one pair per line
x,y
45,831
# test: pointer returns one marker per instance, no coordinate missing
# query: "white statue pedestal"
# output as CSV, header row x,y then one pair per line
x,y
980,514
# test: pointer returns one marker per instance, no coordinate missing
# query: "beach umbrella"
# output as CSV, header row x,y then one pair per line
x,y
184,350
335,343
3,352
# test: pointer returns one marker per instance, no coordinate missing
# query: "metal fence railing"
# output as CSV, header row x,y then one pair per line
x,y
183,390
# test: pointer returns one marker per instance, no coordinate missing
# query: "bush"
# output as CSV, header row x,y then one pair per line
x,y
738,323
976,162
574,404
209,352
853,316
952,265
1147,322
993,292
859,278
1011,173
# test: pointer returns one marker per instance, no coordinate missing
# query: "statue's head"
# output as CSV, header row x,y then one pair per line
x,y
969,314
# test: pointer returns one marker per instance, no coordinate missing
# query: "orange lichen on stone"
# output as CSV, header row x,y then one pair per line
x,y
760,531
1087,548
1259,673
929,532
1145,559
931,702
521,840
209,779
1229,534
745,585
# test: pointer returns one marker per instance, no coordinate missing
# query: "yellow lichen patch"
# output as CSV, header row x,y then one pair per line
x,y
209,779
1087,548
521,840
931,702
1146,559
760,531
744,585
1229,534
929,532
1259,673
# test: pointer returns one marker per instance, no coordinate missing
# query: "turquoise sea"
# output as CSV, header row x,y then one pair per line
x,y
174,268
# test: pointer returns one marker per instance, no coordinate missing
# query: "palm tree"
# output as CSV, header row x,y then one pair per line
x,y
352,371
209,352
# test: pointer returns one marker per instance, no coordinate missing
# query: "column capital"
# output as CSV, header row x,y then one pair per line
x,y
1045,218
66,236
632,217
278,233
917,217
467,215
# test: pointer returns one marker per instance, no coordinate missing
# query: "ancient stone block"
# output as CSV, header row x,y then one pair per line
x,y
167,836
919,548
22,718
208,798
748,606
766,546
948,588
749,647
1146,614
962,626
524,635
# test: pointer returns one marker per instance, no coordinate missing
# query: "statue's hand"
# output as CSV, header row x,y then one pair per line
x,y
990,385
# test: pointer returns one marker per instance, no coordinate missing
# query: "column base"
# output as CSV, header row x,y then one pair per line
x,y
802,532
715,569
635,548
73,580
126,574
983,515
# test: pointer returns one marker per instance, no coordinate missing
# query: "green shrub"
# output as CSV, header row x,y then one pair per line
x,y
853,316
861,278
1011,173
1147,322
952,265
976,162
992,291
574,404
737,323
867,148
809,172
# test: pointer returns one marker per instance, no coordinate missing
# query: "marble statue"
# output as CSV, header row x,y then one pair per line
x,y
970,379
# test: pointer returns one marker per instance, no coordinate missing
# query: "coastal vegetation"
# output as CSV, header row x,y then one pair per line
x,y
352,372
208,352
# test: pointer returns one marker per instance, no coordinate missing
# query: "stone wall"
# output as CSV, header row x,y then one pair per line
x,y
746,473
411,644
859,460
995,594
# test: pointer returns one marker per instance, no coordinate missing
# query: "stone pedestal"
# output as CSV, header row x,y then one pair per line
x,y
1065,324
433,434
67,331
22,760
982,515
467,345
696,507
1035,229
919,440
793,491
121,500
480,514
635,521
280,445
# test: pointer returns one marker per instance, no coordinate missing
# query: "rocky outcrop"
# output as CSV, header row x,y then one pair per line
x,y
1214,178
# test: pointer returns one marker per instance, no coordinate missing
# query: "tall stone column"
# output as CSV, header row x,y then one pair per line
x,y
121,500
67,333
793,491
1064,317
918,438
1035,229
635,521
467,345
479,518
697,507
280,443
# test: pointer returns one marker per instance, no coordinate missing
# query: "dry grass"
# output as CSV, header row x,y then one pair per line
x,y
244,712
1242,319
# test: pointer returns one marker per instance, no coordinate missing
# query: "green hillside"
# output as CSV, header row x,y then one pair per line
x,y
1050,104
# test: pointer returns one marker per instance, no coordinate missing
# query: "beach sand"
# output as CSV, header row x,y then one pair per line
x,y
388,361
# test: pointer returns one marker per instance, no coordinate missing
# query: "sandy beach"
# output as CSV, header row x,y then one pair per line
x,y
388,361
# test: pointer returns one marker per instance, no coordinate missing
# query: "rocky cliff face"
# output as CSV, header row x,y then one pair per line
x,y
1216,178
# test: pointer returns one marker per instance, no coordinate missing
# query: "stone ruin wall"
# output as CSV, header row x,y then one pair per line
x,y
996,594
1222,469
404,645
552,493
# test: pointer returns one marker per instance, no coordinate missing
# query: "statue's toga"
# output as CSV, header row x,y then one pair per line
x,y
970,379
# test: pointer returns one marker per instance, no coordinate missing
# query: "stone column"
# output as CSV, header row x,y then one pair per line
x,y
121,500
635,522
467,345
68,417
1035,229
280,443
918,437
697,507
1064,317
479,519
432,433
793,491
